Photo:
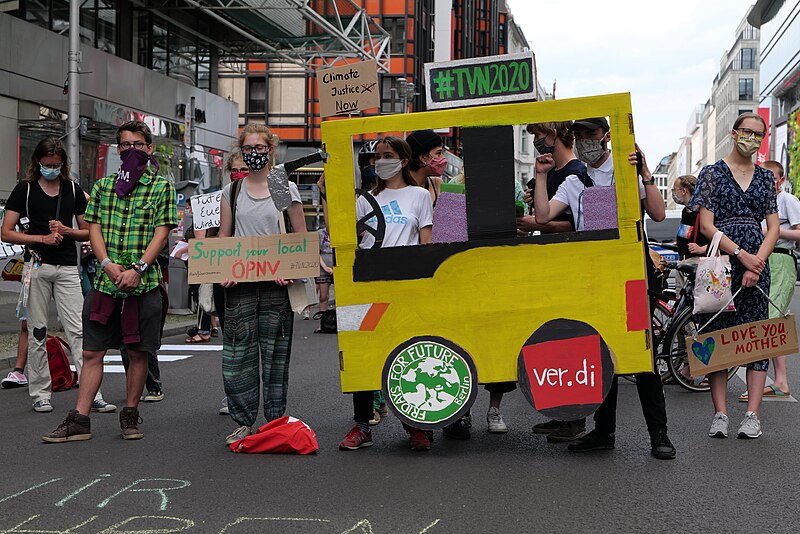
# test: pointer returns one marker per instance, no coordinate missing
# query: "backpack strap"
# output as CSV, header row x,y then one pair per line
x,y
235,187
584,177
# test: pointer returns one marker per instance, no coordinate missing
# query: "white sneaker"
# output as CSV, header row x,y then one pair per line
x,y
495,420
376,418
99,405
719,426
42,406
240,433
223,410
750,427
14,380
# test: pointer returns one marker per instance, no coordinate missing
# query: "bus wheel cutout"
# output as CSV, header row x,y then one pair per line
x,y
429,382
565,369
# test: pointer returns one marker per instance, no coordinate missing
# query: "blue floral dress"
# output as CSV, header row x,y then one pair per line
x,y
738,214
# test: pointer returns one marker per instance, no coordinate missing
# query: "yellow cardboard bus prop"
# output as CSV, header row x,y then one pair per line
x,y
560,313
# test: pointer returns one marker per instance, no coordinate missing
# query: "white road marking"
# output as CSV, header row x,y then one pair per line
x,y
194,348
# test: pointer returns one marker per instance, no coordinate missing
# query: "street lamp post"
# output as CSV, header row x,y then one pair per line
x,y
73,98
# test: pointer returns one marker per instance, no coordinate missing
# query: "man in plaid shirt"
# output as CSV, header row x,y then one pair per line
x,y
130,214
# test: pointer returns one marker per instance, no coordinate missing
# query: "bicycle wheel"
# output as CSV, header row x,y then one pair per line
x,y
678,361
659,321
662,313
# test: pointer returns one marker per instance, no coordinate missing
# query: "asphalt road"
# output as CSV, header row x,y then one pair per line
x,y
181,477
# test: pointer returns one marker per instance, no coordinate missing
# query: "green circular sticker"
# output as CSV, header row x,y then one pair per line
x,y
429,382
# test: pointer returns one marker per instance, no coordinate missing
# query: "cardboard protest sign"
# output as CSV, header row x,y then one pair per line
x,y
254,258
750,342
347,89
480,80
205,210
565,369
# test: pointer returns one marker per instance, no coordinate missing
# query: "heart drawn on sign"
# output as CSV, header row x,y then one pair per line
x,y
704,350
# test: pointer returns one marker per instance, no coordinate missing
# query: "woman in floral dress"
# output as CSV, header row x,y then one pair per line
x,y
733,196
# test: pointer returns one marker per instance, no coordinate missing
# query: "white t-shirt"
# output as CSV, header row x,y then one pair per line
x,y
405,210
570,192
788,216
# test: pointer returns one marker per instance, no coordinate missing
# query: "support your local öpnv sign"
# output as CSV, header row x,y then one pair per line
x,y
253,259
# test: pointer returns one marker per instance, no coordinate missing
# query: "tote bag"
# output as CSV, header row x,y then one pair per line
x,y
712,288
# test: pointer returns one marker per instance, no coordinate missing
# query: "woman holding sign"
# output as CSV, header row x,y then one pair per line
x,y
733,196
408,212
258,318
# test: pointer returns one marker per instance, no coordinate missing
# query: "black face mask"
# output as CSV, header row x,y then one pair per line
x,y
368,175
542,147
256,161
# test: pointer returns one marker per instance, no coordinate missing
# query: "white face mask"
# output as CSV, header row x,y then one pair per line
x,y
388,168
589,150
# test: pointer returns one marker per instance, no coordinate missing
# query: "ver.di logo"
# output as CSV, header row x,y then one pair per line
x,y
429,382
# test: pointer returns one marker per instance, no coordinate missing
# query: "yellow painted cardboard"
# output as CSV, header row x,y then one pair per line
x,y
489,300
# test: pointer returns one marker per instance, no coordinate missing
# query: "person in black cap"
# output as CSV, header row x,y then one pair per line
x,y
427,160
591,144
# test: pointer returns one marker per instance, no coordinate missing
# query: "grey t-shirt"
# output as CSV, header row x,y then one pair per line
x,y
256,216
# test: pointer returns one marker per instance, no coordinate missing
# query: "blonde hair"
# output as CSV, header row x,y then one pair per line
x,y
262,129
687,181
235,154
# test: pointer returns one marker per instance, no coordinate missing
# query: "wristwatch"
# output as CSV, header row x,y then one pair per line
x,y
140,267
651,181
737,251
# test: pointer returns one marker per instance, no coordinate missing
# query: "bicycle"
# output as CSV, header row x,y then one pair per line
x,y
672,324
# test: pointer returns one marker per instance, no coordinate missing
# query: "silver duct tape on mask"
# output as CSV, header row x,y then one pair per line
x,y
278,179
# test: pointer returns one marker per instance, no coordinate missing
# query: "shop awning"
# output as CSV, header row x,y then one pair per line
x,y
292,31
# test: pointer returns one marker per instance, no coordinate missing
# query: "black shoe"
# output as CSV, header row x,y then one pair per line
x,y
546,428
568,431
593,441
660,446
459,429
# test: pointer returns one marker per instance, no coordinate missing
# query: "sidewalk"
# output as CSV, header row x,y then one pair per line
x,y
9,324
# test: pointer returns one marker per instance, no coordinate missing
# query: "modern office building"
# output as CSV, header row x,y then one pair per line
x,y
779,21
136,63
284,95
735,88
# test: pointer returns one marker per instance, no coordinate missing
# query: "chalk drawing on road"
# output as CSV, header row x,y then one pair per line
x,y
160,491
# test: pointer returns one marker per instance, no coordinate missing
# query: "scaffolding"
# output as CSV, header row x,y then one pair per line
x,y
309,33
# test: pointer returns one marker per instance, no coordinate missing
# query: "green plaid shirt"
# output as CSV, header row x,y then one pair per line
x,y
128,224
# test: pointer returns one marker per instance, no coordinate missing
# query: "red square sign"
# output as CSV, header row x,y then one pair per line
x,y
564,372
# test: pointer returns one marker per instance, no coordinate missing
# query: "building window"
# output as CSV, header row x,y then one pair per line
x,y
748,58
396,26
391,95
524,141
746,89
257,95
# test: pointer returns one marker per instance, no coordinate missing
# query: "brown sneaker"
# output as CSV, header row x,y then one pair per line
x,y
129,422
76,427
568,431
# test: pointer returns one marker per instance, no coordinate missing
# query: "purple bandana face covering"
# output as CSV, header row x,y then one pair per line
x,y
134,163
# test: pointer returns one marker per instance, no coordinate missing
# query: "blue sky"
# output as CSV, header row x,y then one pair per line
x,y
666,54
